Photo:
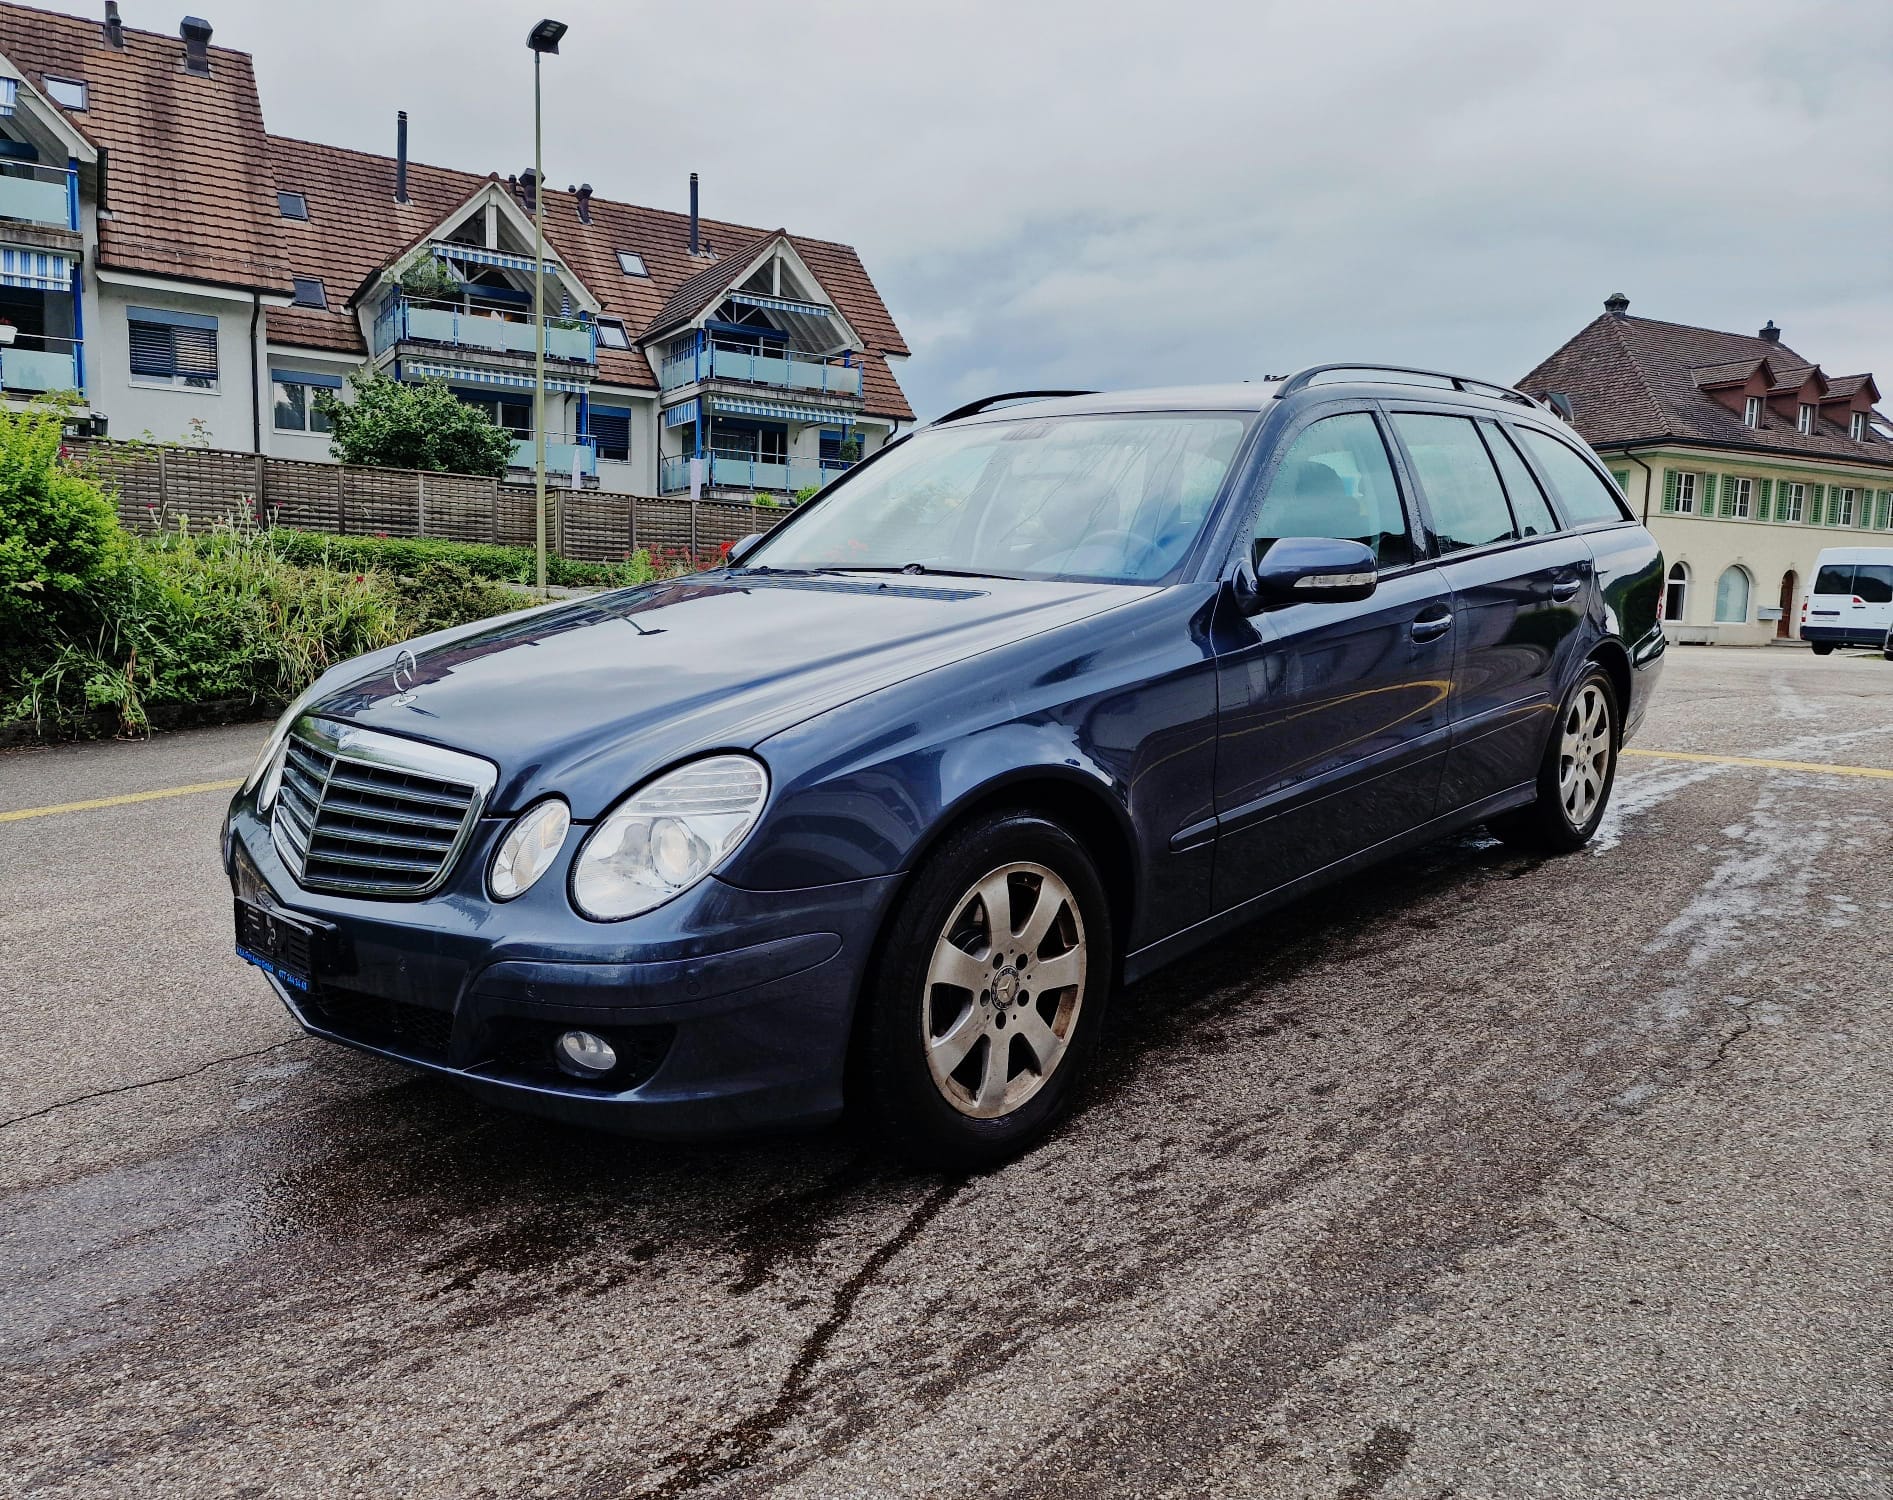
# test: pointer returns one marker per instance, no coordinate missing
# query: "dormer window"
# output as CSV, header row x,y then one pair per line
x,y
67,93
1857,428
1752,412
1804,418
631,263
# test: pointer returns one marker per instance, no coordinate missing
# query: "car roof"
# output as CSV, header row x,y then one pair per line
x,y
1249,397
1853,554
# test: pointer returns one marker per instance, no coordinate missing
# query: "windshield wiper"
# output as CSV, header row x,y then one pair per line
x,y
921,568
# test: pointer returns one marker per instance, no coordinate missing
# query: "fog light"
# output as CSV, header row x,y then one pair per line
x,y
584,1055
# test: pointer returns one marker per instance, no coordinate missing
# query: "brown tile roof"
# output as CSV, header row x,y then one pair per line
x,y
187,179
695,293
1633,380
355,227
1733,373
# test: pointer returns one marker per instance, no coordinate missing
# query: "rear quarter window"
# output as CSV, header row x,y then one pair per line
x,y
1587,497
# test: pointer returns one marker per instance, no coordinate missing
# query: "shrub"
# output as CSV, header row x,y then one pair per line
x,y
58,530
414,425
482,559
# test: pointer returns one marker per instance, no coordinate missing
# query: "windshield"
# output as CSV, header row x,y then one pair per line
x,y
1112,498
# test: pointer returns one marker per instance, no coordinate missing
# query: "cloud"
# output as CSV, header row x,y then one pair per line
x,y
1050,192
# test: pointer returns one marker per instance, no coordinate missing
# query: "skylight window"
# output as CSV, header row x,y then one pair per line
x,y
612,335
310,292
292,205
631,263
67,93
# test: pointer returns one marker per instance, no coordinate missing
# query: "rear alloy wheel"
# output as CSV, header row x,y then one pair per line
x,y
987,997
1576,776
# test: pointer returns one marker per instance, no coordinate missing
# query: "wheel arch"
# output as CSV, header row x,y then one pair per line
x,y
1615,660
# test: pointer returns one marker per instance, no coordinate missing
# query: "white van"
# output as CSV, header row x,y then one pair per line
x,y
1851,603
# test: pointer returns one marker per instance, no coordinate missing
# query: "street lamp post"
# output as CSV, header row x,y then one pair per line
x,y
543,38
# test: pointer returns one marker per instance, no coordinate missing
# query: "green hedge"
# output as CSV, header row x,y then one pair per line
x,y
515,565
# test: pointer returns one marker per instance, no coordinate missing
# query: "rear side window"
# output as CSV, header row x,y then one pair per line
x,y
1586,494
1835,578
1873,583
1462,488
1529,504
1336,481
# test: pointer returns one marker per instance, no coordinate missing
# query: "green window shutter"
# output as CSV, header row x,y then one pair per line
x,y
1886,509
1764,491
1816,492
1622,476
1727,486
1706,501
1669,489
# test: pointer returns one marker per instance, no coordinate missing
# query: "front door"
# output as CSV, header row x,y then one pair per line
x,y
1333,724
1520,589
1784,627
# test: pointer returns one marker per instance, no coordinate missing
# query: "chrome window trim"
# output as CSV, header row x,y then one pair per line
x,y
349,743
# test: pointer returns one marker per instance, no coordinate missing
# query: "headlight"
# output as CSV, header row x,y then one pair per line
x,y
668,835
268,768
528,849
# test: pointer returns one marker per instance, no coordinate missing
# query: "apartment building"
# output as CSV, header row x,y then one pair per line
x,y
191,276
1744,458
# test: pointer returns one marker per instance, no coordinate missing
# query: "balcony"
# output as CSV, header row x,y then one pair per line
x,y
811,374
37,371
742,471
405,321
32,194
562,452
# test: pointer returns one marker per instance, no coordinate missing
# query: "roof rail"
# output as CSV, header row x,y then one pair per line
x,y
1465,383
974,407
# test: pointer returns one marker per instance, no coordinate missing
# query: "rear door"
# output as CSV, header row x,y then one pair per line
x,y
1831,602
1870,611
1333,726
1520,586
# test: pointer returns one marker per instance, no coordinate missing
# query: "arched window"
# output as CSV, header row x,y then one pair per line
x,y
1676,592
1732,596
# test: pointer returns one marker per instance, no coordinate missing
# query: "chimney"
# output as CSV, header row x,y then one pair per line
x,y
693,213
528,190
196,34
1616,304
114,28
401,156
1769,332
584,197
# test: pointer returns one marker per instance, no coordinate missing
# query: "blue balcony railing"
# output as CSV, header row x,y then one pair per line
x,y
786,370
562,452
39,195
36,371
741,471
404,320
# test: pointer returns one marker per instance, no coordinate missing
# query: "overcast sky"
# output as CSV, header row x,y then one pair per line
x,y
1099,194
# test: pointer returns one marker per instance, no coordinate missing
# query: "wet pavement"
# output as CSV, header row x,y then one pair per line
x,y
1478,1175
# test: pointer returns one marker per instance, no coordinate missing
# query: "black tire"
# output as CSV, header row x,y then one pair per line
x,y
1822,648
912,1023
1548,826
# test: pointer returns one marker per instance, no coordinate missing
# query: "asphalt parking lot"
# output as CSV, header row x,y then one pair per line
x,y
1476,1176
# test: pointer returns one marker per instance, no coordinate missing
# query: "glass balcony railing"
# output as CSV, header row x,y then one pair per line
x,y
562,454
39,370
739,471
38,195
455,328
786,370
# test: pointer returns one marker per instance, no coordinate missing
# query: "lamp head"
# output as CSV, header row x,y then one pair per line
x,y
545,36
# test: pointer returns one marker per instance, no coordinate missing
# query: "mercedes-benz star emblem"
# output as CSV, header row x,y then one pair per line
x,y
406,669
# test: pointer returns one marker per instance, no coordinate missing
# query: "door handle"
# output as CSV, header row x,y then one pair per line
x,y
1566,588
1432,627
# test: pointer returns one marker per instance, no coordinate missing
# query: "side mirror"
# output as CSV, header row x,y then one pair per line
x,y
1314,570
742,549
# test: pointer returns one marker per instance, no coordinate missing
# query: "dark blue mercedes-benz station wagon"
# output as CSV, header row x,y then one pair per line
x,y
1036,699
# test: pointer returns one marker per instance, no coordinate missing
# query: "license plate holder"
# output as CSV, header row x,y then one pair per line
x,y
289,947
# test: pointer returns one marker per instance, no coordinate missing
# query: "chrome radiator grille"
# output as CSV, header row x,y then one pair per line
x,y
366,814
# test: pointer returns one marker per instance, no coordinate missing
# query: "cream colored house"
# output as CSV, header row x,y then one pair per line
x,y
1743,458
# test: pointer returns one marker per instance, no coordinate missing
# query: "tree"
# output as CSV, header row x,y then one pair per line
x,y
58,529
414,425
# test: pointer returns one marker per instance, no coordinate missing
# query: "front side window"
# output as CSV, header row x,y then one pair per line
x,y
1116,497
1456,475
1529,504
295,401
1739,495
1587,497
1732,597
1794,501
172,348
1337,481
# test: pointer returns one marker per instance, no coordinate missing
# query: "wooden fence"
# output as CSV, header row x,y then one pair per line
x,y
156,487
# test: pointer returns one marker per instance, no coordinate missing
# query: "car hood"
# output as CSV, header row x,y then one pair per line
x,y
590,698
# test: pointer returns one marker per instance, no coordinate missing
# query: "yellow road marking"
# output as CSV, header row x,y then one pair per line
x,y
170,791
1766,765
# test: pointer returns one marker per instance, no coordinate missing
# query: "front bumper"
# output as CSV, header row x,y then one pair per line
x,y
730,1009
